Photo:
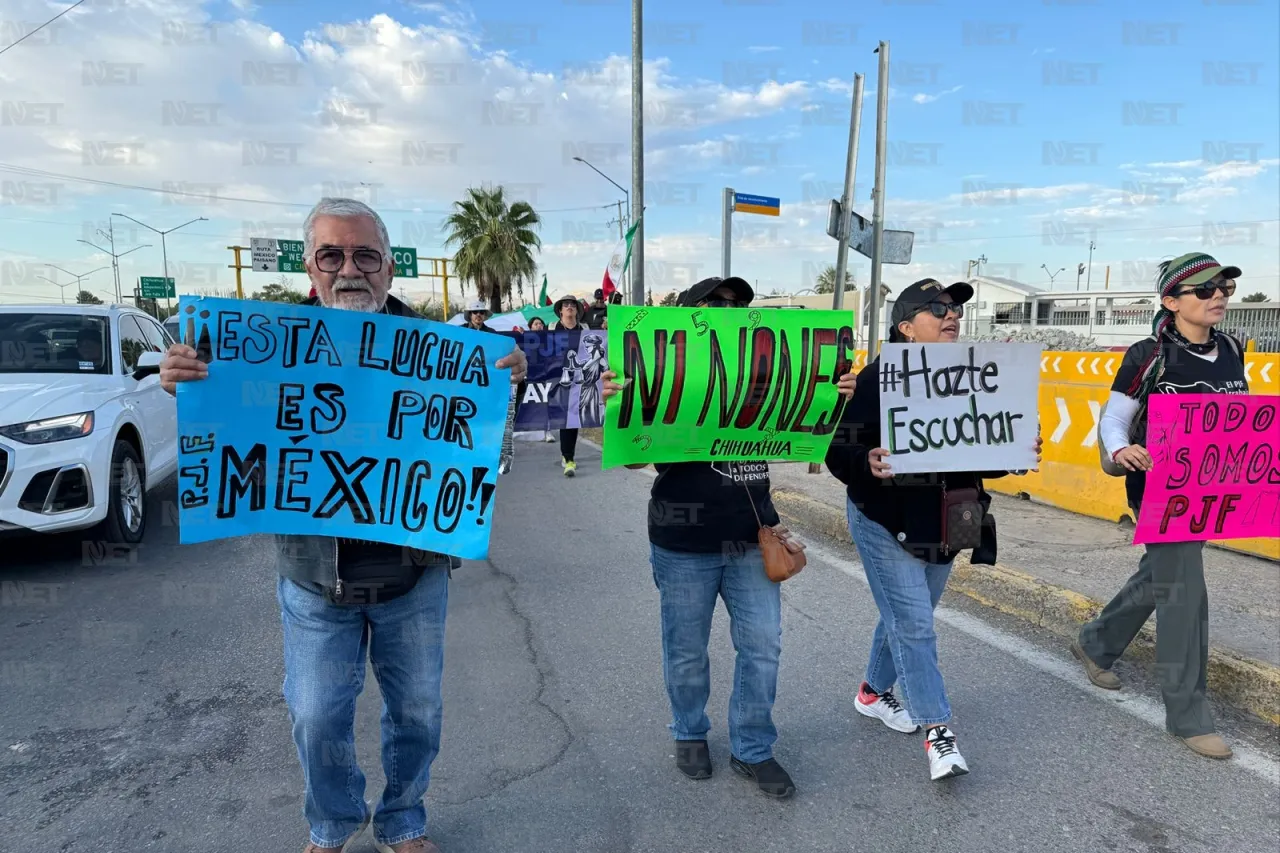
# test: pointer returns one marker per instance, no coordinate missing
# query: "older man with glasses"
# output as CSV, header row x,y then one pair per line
x,y
346,601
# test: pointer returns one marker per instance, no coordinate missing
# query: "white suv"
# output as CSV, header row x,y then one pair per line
x,y
85,429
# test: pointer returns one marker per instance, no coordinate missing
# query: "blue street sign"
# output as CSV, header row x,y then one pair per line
x,y
761,204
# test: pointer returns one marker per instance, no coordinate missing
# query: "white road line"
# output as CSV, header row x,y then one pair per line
x,y
1069,672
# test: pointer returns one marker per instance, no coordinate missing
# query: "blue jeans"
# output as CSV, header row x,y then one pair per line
x,y
688,585
904,648
325,647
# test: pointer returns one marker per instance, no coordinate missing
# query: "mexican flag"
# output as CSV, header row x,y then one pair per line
x,y
543,299
618,263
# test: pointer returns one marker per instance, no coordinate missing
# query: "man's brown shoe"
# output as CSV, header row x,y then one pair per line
x,y
1210,746
413,845
1104,678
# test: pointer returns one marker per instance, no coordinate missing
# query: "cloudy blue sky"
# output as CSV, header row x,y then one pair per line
x,y
1018,132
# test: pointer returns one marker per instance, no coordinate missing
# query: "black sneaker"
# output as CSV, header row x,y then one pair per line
x,y
770,778
693,758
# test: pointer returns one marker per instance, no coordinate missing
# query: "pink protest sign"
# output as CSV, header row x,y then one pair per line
x,y
1216,468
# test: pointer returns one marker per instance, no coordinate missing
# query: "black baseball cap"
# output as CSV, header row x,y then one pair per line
x,y
700,291
600,293
914,298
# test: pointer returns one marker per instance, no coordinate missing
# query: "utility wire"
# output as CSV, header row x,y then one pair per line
x,y
214,199
7,47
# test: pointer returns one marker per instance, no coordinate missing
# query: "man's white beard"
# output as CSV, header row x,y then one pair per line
x,y
359,297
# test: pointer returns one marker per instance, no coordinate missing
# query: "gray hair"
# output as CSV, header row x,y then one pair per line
x,y
345,207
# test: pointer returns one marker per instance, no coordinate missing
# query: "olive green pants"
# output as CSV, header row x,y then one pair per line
x,y
1170,582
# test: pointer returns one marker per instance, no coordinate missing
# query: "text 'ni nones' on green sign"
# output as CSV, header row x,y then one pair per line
x,y
725,384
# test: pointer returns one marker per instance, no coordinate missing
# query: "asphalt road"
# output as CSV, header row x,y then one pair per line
x,y
142,711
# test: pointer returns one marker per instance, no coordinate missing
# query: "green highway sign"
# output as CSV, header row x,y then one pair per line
x,y
290,259
155,287
406,262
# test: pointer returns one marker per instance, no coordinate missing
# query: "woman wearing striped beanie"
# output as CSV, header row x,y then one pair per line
x,y
1184,355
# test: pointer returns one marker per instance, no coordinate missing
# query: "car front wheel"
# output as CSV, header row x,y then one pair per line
x,y
126,520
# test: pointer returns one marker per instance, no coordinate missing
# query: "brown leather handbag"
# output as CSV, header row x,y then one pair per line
x,y
780,562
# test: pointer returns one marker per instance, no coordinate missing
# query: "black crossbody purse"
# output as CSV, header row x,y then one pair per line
x,y
962,519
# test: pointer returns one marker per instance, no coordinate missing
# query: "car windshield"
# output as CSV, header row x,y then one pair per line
x,y
53,343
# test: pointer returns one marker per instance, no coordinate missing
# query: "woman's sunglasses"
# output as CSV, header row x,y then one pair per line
x,y
331,260
940,309
1205,291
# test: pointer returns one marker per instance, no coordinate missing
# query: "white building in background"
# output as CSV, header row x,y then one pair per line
x,y
1113,318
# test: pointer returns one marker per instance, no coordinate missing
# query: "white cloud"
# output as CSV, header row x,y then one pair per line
x,y
923,98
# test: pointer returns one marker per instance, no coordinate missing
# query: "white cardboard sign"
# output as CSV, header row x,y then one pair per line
x,y
960,406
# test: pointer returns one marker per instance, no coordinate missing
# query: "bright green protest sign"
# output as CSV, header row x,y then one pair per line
x,y
724,384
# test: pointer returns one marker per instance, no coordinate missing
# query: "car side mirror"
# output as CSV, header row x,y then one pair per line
x,y
148,365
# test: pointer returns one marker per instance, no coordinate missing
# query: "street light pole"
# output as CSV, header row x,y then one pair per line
x,y
168,307
623,225
1052,275
1088,282
115,258
78,279
62,287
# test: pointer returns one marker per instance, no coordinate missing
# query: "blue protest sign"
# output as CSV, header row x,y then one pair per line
x,y
339,423
565,388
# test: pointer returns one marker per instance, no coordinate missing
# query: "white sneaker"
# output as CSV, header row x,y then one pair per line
x,y
945,761
548,438
885,708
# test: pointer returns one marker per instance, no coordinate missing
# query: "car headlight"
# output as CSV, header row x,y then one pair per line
x,y
50,429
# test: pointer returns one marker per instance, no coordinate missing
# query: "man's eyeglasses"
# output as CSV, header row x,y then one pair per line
x,y
1205,291
940,309
331,260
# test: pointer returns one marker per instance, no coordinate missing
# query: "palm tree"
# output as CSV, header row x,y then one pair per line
x,y
495,243
826,282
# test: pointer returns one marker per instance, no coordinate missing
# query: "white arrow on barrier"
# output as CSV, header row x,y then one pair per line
x,y
1109,364
1080,365
1064,420
1266,371
1043,363
1095,409
1093,366
1248,369
1057,364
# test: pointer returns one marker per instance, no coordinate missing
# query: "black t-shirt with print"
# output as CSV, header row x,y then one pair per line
x,y
1184,373
702,507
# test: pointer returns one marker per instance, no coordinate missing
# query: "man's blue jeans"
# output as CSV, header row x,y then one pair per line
x,y
688,585
904,648
325,647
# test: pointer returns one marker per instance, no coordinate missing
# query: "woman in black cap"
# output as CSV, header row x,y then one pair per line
x,y
567,310
704,522
896,522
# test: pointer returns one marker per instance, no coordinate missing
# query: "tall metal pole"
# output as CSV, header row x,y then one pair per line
x,y
726,231
637,149
1088,281
877,221
115,260
164,254
847,195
